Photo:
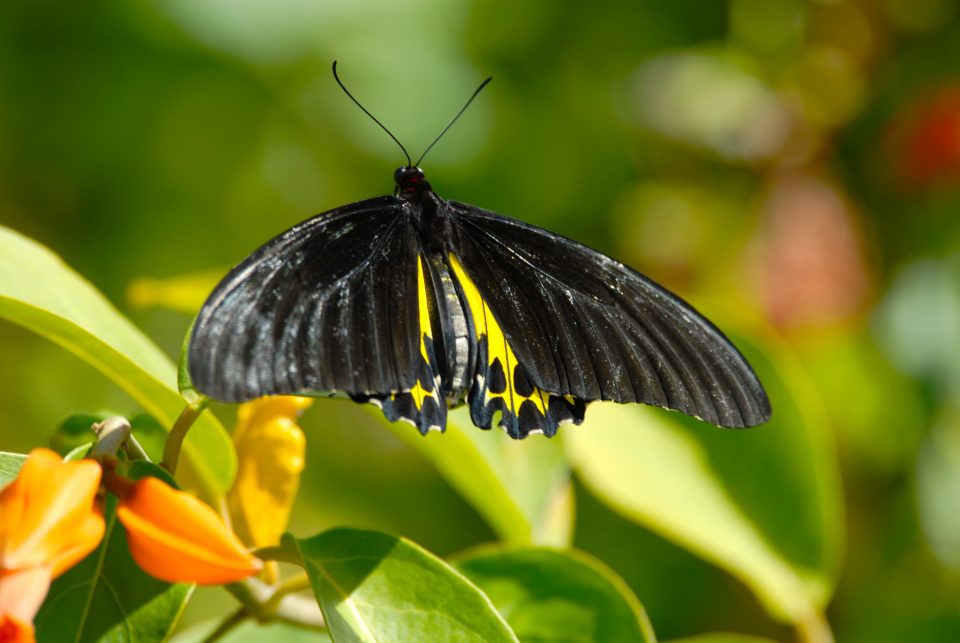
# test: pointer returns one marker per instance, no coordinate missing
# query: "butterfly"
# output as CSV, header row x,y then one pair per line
x,y
417,304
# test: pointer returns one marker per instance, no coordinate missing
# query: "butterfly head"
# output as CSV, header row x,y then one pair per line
x,y
410,179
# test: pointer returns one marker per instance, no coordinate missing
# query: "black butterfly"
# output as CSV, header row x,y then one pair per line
x,y
414,303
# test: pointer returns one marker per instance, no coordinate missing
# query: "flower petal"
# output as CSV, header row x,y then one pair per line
x,y
22,593
13,630
176,538
47,515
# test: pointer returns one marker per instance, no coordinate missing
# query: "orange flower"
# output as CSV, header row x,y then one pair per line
x,y
13,630
176,538
48,523
21,594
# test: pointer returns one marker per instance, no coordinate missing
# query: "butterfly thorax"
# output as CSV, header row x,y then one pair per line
x,y
431,214
446,309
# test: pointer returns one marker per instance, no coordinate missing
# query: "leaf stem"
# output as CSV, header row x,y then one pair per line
x,y
171,449
228,624
280,554
288,586
135,450
266,604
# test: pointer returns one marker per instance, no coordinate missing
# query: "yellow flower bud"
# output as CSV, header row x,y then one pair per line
x,y
270,452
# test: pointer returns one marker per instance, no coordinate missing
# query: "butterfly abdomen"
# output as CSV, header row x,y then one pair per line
x,y
448,315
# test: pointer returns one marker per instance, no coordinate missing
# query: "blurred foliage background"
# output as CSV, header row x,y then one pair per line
x,y
796,161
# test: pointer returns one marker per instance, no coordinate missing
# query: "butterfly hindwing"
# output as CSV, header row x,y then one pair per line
x,y
423,403
501,383
325,308
585,327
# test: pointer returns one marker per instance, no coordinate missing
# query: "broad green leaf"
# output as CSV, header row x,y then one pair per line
x,y
877,411
375,587
150,434
762,503
197,400
10,464
251,632
522,488
39,292
78,452
723,637
548,595
107,597
142,468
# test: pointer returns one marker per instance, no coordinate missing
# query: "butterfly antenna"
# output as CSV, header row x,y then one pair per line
x,y
450,124
382,126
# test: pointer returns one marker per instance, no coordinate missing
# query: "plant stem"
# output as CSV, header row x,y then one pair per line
x,y
171,449
279,553
227,624
262,603
814,629
288,586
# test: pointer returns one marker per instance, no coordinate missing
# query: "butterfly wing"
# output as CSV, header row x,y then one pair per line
x,y
328,306
584,327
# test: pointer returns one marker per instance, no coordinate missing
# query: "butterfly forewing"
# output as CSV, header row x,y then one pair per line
x,y
586,327
325,307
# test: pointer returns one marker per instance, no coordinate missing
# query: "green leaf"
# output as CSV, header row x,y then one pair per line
x,y
10,465
197,400
78,452
150,434
723,637
762,503
549,595
375,587
108,597
251,632
39,292
142,469
522,488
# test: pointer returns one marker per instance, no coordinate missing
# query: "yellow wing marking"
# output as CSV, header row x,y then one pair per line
x,y
418,392
497,345
424,310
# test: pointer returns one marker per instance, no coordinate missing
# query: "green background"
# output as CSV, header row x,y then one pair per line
x,y
793,162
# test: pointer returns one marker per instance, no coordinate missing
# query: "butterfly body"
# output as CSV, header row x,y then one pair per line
x,y
417,304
